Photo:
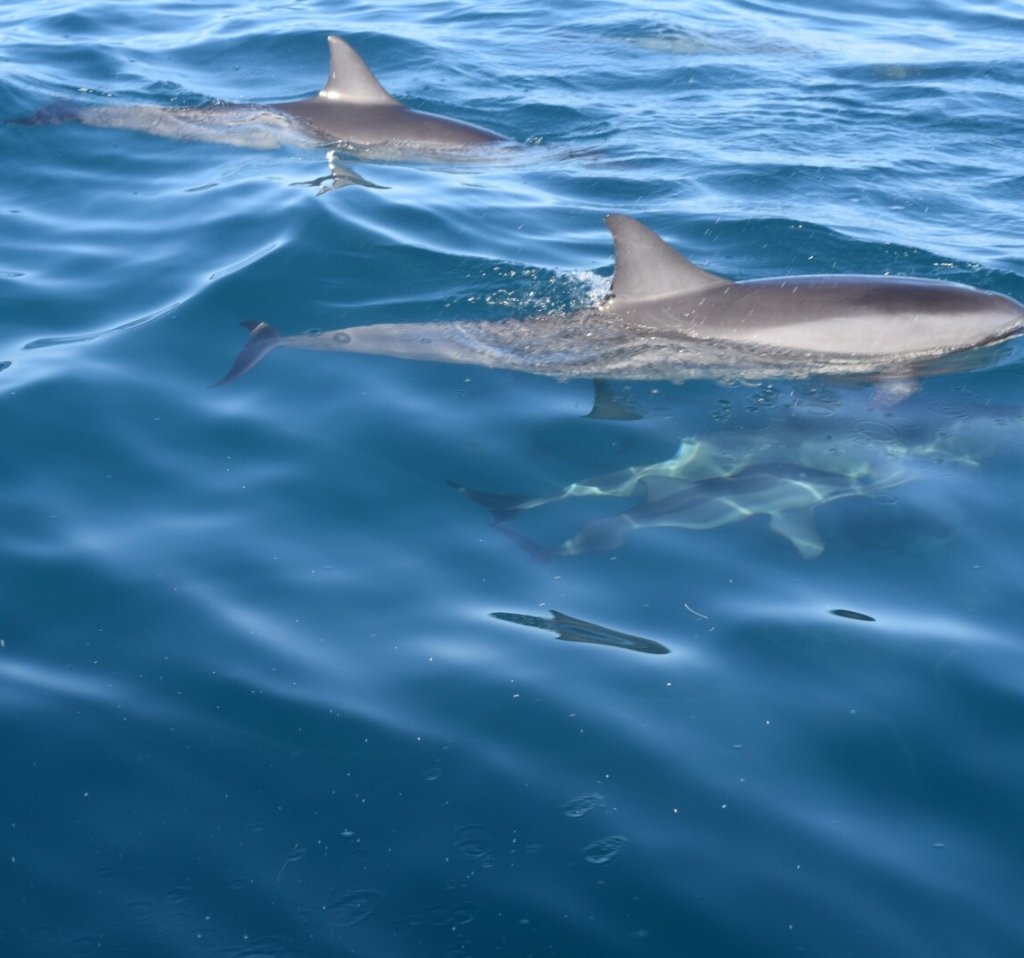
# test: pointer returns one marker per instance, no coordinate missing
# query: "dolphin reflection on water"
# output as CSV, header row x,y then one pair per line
x,y
667,319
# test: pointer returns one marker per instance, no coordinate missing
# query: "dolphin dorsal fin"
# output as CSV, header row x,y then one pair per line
x,y
351,80
647,267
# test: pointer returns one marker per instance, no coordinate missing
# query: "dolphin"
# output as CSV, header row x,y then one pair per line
x,y
696,460
667,319
788,495
785,470
352,111
884,451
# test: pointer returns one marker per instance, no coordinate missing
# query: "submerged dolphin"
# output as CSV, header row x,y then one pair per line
x,y
666,318
786,494
719,456
353,110
873,453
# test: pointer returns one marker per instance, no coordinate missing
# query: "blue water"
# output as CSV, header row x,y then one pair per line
x,y
253,699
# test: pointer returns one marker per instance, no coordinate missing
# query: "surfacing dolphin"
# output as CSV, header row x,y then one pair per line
x,y
352,111
667,319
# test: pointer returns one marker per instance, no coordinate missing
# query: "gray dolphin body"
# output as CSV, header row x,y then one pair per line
x,y
668,319
353,110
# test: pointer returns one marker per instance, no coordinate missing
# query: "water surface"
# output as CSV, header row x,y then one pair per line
x,y
255,698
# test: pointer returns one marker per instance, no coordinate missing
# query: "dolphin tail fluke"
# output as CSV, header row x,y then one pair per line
x,y
502,507
262,338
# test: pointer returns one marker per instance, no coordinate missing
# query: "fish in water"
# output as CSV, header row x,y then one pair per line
x,y
787,495
352,111
667,319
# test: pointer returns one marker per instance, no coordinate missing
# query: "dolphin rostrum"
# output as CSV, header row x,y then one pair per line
x,y
666,318
353,111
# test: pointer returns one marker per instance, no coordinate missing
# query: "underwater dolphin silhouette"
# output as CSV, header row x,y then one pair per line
x,y
863,450
353,110
789,467
788,495
666,318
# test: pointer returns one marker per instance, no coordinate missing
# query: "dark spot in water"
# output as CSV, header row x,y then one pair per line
x,y
850,614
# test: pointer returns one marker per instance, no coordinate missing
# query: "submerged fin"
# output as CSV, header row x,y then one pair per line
x,y
609,404
262,338
797,525
647,267
351,80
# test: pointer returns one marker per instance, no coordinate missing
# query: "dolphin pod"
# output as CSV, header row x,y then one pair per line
x,y
353,111
667,319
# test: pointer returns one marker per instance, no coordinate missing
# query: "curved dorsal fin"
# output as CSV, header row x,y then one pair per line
x,y
647,267
350,79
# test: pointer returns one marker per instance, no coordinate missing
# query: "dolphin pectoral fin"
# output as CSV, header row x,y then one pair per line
x,y
609,404
262,338
797,525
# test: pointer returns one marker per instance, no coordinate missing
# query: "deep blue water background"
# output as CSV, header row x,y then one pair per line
x,y
252,699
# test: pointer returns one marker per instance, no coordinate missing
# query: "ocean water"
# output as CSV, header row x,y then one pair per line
x,y
254,697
